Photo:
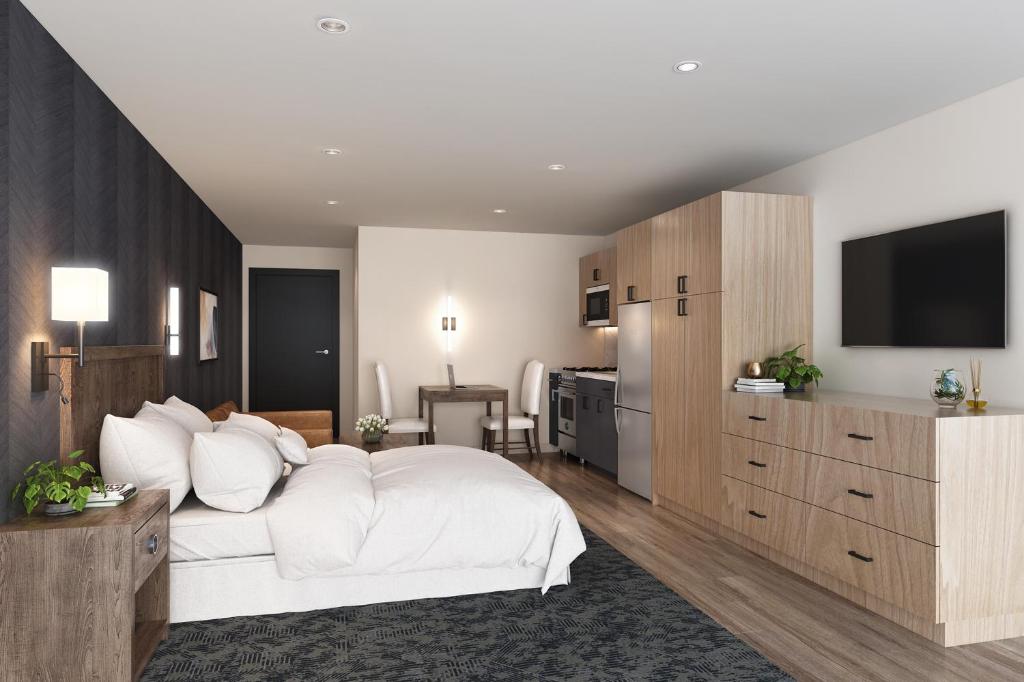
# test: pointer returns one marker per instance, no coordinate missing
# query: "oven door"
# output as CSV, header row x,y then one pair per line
x,y
567,411
599,306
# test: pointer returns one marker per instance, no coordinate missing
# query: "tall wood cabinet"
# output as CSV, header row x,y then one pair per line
x,y
633,263
731,283
596,269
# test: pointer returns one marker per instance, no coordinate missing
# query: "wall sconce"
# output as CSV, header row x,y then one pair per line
x,y
173,328
76,295
448,323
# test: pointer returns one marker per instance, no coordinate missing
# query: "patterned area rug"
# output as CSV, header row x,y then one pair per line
x,y
614,622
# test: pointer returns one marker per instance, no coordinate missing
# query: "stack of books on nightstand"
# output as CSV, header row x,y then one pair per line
x,y
744,385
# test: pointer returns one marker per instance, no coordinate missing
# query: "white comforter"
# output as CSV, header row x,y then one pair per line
x,y
418,509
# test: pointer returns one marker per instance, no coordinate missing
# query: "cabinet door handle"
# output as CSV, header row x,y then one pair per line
x,y
584,403
681,308
153,543
583,318
757,419
866,496
597,274
681,284
759,465
756,515
857,436
630,292
858,555
599,410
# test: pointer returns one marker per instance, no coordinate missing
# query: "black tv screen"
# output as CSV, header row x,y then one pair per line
x,y
941,285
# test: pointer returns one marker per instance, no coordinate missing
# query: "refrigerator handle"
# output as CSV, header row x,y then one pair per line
x,y
618,420
618,380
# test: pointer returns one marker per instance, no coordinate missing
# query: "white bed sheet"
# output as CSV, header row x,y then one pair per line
x,y
200,533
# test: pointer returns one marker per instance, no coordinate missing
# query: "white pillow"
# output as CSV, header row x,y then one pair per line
x,y
187,416
250,422
233,469
149,451
292,446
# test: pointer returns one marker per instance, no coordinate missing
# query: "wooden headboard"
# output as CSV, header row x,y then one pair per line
x,y
115,380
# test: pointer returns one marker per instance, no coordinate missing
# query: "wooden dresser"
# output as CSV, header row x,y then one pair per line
x,y
913,511
85,597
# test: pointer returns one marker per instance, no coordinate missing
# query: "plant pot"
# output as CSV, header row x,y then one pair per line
x,y
58,509
372,437
799,389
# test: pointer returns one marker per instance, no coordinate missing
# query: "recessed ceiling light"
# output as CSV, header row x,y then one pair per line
x,y
332,151
332,25
688,66
501,210
557,166
333,202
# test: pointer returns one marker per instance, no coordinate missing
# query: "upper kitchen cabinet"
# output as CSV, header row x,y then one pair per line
x,y
687,256
597,270
633,263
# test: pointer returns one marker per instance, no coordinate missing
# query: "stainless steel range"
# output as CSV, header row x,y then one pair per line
x,y
567,406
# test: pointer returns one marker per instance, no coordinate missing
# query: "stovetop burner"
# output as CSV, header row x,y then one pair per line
x,y
588,369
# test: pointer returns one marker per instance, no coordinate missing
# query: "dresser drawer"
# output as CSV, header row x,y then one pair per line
x,y
771,519
150,545
893,568
892,441
769,466
895,502
771,419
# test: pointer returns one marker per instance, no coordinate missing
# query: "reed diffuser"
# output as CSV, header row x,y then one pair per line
x,y
977,403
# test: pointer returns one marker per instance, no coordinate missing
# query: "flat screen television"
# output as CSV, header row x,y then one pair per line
x,y
935,286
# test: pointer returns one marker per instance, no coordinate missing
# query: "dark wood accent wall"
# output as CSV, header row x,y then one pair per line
x,y
79,185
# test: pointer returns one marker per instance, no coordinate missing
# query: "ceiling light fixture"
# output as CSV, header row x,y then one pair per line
x,y
501,210
332,151
332,25
557,166
688,66
333,202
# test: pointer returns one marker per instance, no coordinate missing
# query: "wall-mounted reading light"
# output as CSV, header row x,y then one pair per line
x,y
77,295
173,322
448,323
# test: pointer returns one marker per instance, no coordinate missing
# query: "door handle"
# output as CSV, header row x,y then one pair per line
x,y
597,274
618,420
630,292
325,351
757,515
866,496
681,308
618,380
757,419
755,463
857,555
681,284
599,406
554,395
857,436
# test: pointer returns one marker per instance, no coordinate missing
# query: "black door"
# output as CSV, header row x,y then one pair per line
x,y
293,340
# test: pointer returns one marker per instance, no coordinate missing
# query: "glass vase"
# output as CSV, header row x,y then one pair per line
x,y
372,436
947,388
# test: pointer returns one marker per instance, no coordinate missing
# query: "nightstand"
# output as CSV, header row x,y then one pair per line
x,y
85,597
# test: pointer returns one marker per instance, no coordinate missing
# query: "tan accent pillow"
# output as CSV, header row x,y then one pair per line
x,y
222,411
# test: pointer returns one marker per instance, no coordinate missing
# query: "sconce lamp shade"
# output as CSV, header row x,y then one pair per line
x,y
79,295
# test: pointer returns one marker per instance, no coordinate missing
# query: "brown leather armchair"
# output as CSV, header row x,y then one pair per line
x,y
313,425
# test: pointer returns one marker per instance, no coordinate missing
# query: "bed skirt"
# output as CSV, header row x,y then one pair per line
x,y
224,588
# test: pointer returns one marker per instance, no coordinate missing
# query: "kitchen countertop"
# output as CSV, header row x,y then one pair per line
x,y
602,376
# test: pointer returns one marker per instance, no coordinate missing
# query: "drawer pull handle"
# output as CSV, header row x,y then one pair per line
x,y
681,284
857,436
866,496
681,308
631,293
756,515
858,555
759,465
153,543
757,419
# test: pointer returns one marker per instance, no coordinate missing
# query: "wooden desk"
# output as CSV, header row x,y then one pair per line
x,y
483,393
86,596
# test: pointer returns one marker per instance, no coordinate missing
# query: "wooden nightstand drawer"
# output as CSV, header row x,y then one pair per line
x,y
771,519
903,443
893,568
150,545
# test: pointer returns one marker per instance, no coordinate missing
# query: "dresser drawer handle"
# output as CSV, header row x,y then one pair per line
x,y
857,436
759,465
858,555
757,419
153,543
866,496
756,515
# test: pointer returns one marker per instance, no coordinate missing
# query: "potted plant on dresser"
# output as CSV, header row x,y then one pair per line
x,y
57,486
792,370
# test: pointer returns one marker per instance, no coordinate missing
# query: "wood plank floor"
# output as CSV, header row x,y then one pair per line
x,y
802,628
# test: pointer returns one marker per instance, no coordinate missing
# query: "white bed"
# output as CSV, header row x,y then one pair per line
x,y
437,521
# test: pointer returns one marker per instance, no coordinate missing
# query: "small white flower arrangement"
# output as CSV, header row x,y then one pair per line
x,y
371,427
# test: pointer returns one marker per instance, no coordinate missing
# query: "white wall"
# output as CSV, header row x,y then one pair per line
x,y
313,258
962,160
515,299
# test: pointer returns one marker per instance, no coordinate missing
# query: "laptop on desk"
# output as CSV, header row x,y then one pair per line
x,y
451,378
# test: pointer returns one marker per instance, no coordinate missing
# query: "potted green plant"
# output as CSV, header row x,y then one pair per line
x,y
57,486
792,370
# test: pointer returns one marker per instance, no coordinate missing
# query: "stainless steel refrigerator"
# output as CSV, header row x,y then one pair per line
x,y
633,398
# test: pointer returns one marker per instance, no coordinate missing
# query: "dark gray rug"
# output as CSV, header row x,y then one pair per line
x,y
614,622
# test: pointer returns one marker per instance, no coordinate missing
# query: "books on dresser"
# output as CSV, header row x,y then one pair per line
x,y
744,385
116,494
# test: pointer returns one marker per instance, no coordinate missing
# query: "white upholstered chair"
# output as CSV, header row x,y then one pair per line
x,y
415,425
530,399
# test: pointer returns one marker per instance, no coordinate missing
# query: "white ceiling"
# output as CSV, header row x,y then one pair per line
x,y
451,108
